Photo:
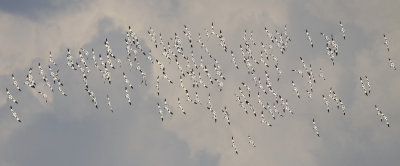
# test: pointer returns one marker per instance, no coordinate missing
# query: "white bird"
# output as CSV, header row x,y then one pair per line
x,y
109,103
363,87
247,87
309,94
127,96
209,107
226,115
197,99
166,107
309,38
315,127
279,71
234,60
29,79
263,120
51,59
342,30
368,84
10,97
158,85
127,82
70,62
392,65
44,77
14,114
234,146
180,106
251,141
382,115
299,72
241,103
386,42
326,102
44,96
15,83
160,111
295,89
321,74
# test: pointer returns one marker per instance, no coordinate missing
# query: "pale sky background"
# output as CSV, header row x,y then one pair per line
x,y
70,131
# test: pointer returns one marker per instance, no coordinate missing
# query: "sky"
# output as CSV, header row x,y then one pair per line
x,y
69,130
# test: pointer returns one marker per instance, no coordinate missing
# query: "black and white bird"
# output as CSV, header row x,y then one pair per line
x,y
363,87
386,42
166,107
210,108
10,97
44,96
368,84
382,116
321,74
180,106
300,72
14,114
326,102
44,77
251,141
295,89
15,83
315,127
309,38
109,103
234,146
226,115
342,30
51,59
160,111
127,96
29,79
392,65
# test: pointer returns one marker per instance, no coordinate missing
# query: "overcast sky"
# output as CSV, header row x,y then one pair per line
x,y
71,131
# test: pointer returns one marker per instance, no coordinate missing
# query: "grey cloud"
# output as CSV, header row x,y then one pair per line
x,y
36,9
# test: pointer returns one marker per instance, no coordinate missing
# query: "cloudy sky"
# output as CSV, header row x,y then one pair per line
x,y
71,131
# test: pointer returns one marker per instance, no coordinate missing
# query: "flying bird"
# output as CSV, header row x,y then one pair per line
x,y
14,114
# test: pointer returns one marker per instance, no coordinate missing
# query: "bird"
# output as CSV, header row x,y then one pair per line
x,y
14,114
392,65
160,111
368,84
251,141
29,79
363,87
386,42
10,97
180,106
166,107
309,38
299,72
44,96
51,59
109,103
315,127
326,102
295,89
127,96
226,115
321,74
234,146
382,116
15,83
342,30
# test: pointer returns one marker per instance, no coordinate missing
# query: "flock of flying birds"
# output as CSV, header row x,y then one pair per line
x,y
199,74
